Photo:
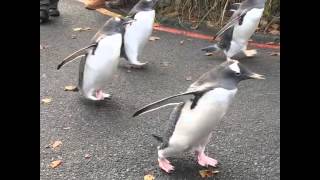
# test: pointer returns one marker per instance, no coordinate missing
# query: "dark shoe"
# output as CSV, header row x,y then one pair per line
x,y
54,12
44,16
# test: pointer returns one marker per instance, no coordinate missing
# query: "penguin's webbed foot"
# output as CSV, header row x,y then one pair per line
x,y
138,65
100,95
165,165
204,160
250,53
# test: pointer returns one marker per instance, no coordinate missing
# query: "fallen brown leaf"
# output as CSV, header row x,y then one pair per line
x,y
70,88
43,47
153,38
81,29
166,64
148,177
275,54
275,32
207,173
263,22
46,100
56,144
275,26
210,24
55,164
208,54
188,78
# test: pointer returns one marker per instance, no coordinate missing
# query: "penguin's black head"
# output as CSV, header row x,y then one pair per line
x,y
147,4
235,72
117,24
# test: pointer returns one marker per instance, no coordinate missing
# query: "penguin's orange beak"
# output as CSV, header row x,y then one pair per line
x,y
256,76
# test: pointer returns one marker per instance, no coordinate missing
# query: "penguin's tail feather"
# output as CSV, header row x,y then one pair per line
x,y
211,48
158,138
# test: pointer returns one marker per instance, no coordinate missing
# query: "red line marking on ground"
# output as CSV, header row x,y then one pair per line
x,y
159,27
195,35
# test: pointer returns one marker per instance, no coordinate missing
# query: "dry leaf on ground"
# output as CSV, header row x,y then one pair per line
x,y
148,177
275,32
70,88
46,100
55,164
275,26
153,38
81,29
43,47
188,78
207,173
275,54
56,144
166,64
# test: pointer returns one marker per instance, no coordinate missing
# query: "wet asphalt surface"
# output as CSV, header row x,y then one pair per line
x,y
246,143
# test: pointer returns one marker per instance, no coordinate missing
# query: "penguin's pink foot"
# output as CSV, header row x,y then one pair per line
x,y
165,165
204,160
100,95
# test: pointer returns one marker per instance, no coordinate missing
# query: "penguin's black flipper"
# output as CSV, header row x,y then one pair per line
x,y
75,55
169,101
160,104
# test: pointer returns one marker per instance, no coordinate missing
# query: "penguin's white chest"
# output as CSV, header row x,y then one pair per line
x,y
243,32
139,31
196,124
101,65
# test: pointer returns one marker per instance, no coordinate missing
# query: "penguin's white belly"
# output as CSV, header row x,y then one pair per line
x,y
101,66
243,32
196,124
138,32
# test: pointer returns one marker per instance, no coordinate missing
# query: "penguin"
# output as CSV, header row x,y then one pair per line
x,y
100,59
138,32
241,26
192,120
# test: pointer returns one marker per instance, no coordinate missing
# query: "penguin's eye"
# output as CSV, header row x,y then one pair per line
x,y
238,74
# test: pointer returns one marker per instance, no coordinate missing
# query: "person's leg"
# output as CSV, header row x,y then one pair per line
x,y
44,10
53,8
